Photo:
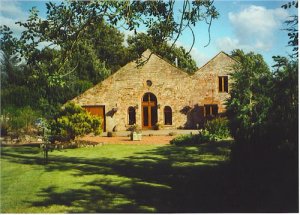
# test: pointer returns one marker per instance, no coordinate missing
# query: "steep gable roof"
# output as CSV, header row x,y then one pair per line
x,y
148,54
218,56
148,64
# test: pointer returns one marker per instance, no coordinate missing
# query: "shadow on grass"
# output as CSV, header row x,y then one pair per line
x,y
165,179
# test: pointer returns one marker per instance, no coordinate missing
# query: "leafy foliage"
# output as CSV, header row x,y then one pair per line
x,y
214,130
141,42
218,128
69,25
81,41
73,121
18,119
267,121
249,102
186,140
283,115
292,27
8,42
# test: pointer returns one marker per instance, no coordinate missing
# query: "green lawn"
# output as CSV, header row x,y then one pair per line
x,y
144,178
113,178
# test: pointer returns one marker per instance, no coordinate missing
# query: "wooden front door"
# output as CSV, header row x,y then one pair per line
x,y
149,111
97,111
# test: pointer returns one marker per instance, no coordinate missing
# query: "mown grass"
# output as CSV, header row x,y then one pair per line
x,y
143,178
109,178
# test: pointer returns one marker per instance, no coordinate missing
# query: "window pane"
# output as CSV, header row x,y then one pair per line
x,y
152,97
211,110
146,97
226,84
207,110
145,115
220,84
153,115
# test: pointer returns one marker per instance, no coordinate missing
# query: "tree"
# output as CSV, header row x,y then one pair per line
x,y
68,22
283,115
139,43
37,78
108,43
9,59
78,45
249,102
292,27
14,73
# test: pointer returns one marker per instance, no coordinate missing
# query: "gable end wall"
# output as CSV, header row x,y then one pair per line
x,y
170,85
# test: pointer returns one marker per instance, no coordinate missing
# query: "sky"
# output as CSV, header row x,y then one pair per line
x,y
249,25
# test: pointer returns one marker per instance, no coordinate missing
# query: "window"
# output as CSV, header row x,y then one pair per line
x,y
131,116
168,115
210,110
223,84
149,83
149,110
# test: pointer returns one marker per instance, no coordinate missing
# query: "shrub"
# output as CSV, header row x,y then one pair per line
x,y
190,139
29,117
217,128
18,119
73,121
214,130
4,128
182,140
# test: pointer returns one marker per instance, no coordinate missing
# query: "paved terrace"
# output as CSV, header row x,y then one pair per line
x,y
149,137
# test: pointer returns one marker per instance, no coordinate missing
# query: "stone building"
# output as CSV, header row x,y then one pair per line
x,y
155,92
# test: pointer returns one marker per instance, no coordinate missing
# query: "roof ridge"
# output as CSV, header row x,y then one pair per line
x,y
163,59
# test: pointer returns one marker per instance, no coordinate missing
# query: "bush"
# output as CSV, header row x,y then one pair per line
x,y
18,119
184,139
217,128
73,121
190,139
4,128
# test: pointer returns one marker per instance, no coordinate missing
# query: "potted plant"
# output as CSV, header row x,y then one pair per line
x,y
136,133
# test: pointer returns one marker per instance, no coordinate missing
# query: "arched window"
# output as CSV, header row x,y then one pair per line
x,y
168,115
131,116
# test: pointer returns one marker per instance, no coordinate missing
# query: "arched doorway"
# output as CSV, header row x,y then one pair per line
x,y
149,111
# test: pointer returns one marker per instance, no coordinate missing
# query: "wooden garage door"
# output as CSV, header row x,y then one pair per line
x,y
97,111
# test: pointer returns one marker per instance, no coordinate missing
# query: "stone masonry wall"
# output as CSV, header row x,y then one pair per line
x,y
170,85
